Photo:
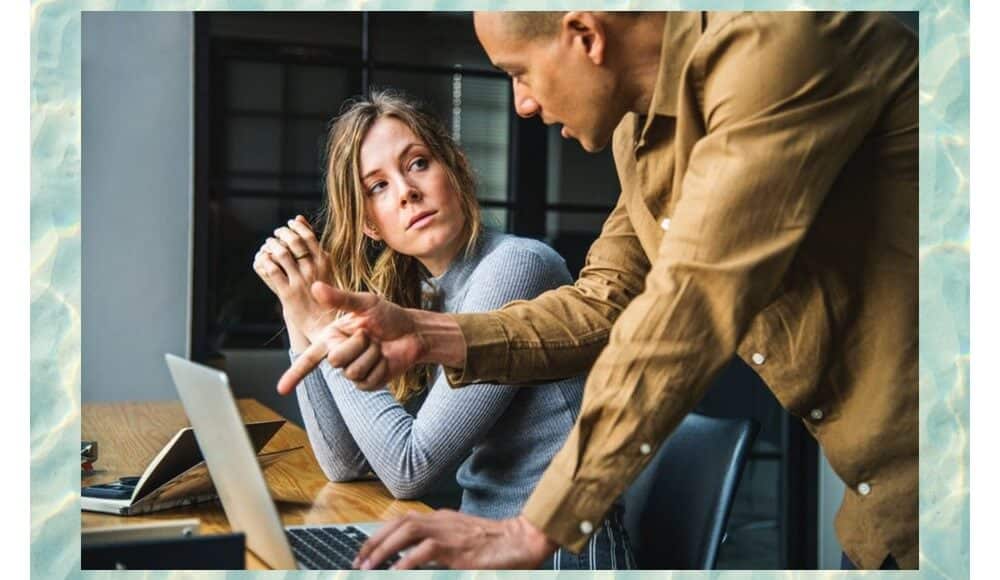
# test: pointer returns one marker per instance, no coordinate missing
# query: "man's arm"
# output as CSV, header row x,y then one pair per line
x,y
775,142
556,335
561,332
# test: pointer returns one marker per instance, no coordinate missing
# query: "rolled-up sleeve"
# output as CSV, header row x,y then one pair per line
x,y
782,110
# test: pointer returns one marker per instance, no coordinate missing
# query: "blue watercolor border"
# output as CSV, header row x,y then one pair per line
x,y
55,274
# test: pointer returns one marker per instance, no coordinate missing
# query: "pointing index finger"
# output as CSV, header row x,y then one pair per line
x,y
307,361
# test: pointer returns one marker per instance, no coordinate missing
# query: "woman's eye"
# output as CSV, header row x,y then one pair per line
x,y
376,187
419,163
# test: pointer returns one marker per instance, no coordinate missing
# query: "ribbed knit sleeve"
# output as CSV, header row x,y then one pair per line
x,y
337,453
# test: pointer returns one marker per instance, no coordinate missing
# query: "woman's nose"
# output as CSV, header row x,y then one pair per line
x,y
410,195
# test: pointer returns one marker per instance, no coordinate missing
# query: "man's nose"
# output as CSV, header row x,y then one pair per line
x,y
524,104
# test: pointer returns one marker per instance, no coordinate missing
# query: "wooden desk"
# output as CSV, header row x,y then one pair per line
x,y
130,434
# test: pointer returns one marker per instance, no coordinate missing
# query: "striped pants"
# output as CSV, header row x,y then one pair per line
x,y
608,549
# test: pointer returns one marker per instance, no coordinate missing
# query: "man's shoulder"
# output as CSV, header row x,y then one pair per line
x,y
717,23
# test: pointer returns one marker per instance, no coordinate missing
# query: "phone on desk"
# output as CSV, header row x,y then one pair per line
x,y
121,489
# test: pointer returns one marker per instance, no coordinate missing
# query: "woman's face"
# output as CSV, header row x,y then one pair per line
x,y
410,201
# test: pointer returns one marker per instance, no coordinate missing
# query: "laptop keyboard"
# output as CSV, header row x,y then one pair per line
x,y
329,548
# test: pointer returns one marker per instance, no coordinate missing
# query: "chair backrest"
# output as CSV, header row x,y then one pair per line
x,y
676,510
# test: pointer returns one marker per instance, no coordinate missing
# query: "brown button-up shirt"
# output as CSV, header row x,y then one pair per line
x,y
768,209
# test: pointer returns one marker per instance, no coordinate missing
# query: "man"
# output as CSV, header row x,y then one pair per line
x,y
768,165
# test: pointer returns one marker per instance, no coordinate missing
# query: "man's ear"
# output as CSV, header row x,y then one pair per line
x,y
585,31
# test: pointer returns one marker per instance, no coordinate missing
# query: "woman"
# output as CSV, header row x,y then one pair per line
x,y
402,221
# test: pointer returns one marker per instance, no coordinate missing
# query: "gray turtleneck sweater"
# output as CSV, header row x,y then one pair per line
x,y
512,433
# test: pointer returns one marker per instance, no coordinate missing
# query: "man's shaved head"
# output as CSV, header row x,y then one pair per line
x,y
540,25
531,25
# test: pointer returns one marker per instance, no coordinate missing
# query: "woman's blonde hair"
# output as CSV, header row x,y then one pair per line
x,y
357,262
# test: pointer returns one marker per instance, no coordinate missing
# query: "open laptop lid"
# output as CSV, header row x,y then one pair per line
x,y
210,407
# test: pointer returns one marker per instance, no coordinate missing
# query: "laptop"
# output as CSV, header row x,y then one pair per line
x,y
238,479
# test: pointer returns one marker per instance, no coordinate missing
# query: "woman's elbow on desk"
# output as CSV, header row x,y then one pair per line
x,y
339,473
407,489
399,488
405,493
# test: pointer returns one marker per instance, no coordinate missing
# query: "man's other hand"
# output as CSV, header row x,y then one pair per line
x,y
455,540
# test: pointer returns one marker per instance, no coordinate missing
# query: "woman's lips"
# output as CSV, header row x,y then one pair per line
x,y
422,220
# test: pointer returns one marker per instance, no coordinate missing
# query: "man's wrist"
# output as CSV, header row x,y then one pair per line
x,y
441,339
538,543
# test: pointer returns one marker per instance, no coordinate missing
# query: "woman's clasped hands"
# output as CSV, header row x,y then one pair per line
x,y
289,263
344,328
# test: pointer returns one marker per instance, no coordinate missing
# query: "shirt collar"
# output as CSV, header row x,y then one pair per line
x,y
681,30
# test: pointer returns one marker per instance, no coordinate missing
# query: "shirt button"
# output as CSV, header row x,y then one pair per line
x,y
816,414
864,488
665,224
586,527
757,358
645,449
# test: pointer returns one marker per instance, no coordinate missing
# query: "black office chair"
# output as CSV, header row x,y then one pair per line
x,y
676,510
